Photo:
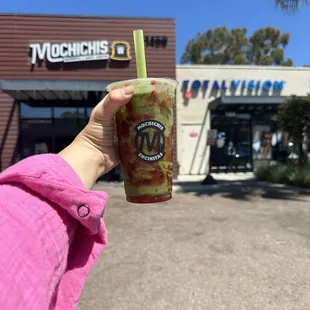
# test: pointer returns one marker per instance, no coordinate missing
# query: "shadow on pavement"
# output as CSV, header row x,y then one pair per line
x,y
244,190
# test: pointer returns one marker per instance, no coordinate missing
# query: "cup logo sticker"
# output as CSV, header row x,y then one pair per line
x,y
150,140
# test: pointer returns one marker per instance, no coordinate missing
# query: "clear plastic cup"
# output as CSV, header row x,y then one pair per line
x,y
145,130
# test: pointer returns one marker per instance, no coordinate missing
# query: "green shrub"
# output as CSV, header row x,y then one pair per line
x,y
300,177
262,174
280,173
285,174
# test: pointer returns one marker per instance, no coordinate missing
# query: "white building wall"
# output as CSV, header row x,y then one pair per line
x,y
193,115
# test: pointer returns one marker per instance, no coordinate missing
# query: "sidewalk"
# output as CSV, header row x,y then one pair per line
x,y
235,186
217,176
191,182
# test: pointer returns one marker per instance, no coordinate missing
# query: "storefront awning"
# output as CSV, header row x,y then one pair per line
x,y
246,102
53,92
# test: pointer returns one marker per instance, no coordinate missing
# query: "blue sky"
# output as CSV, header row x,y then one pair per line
x,y
191,17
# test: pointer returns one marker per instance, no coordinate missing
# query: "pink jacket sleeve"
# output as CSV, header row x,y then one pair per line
x,y
51,234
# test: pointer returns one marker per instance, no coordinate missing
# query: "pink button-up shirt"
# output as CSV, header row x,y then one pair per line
x,y
51,234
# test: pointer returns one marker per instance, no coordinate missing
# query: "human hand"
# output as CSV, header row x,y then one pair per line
x,y
94,151
100,133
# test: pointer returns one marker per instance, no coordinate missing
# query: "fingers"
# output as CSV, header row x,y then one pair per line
x,y
119,96
109,105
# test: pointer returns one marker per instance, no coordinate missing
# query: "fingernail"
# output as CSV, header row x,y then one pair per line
x,y
128,90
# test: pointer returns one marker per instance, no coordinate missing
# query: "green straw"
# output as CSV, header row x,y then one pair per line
x,y
138,38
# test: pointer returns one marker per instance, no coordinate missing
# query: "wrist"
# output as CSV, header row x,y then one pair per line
x,y
84,160
91,154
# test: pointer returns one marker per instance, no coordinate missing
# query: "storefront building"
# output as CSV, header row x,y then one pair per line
x,y
226,116
54,69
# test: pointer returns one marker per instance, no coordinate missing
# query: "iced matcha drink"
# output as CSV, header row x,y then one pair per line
x,y
145,135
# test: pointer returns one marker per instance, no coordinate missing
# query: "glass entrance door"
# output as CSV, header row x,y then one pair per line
x,y
233,149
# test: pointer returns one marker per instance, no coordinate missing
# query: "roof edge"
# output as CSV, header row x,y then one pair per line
x,y
84,16
242,67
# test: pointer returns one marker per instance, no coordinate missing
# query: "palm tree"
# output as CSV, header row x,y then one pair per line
x,y
290,6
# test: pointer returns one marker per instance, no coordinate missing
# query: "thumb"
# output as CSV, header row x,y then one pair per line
x,y
109,105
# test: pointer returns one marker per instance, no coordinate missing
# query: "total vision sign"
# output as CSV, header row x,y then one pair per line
x,y
79,51
250,84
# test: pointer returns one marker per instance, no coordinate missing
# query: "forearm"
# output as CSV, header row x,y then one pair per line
x,y
86,162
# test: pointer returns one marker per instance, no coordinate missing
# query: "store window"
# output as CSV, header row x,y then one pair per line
x,y
69,112
49,129
68,122
27,111
36,136
262,142
232,150
88,111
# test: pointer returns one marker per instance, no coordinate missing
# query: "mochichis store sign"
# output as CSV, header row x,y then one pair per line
x,y
234,84
80,51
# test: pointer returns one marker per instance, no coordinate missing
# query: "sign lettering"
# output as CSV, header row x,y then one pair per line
x,y
145,136
155,41
150,140
234,84
79,51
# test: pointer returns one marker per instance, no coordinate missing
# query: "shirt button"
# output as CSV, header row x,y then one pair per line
x,y
83,210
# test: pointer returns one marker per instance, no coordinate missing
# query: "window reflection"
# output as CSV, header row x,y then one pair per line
x,y
66,125
68,112
81,112
88,111
36,137
27,111
49,129
261,142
